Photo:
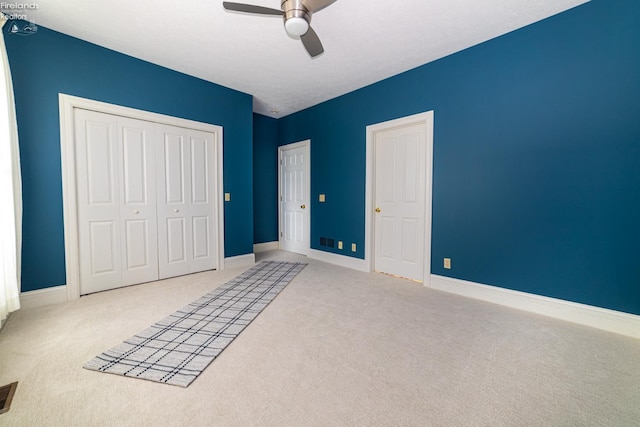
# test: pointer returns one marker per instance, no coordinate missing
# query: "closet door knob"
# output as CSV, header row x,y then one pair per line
x,y
176,210
136,211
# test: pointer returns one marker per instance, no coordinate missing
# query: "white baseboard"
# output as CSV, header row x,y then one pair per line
x,y
264,247
42,297
58,294
596,317
341,260
239,261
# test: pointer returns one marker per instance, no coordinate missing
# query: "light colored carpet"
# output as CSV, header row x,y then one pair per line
x,y
337,347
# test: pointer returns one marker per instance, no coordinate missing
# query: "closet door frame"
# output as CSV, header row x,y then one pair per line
x,y
67,104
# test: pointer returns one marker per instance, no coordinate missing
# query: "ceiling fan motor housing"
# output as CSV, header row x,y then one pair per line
x,y
296,17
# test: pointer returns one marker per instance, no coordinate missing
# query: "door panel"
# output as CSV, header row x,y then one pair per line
x,y
410,239
137,236
116,201
104,248
176,241
203,201
138,201
174,155
173,234
294,227
201,246
199,171
399,195
186,202
134,165
98,195
98,152
386,234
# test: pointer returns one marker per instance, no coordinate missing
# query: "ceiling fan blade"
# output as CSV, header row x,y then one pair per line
x,y
316,5
249,8
312,43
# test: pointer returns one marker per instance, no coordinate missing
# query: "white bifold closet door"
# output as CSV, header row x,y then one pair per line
x,y
186,191
145,197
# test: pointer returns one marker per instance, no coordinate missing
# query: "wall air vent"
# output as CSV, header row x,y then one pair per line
x,y
6,395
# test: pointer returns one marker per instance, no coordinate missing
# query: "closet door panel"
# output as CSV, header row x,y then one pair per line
x,y
174,231
98,194
116,196
138,201
186,201
204,226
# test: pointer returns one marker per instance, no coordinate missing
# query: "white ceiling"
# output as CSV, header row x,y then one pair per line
x,y
364,41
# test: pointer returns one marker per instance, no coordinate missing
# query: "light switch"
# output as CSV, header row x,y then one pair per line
x,y
321,198
227,197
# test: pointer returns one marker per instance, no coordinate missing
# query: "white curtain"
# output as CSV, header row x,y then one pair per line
x,y
10,191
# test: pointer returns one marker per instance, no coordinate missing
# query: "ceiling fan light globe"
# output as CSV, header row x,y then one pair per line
x,y
296,26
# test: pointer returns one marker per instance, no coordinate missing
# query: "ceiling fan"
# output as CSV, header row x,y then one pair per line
x,y
297,19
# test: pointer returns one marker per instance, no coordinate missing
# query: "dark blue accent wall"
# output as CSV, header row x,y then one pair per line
x,y
48,63
536,157
265,179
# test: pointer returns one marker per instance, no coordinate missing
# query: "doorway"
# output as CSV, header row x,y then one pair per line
x,y
294,187
398,197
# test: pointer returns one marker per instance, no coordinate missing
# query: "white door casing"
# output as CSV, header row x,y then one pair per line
x,y
294,197
399,183
68,105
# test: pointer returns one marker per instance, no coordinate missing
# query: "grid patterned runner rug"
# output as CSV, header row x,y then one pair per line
x,y
178,348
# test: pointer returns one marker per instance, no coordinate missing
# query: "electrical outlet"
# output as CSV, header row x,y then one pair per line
x,y
447,263
339,245
353,247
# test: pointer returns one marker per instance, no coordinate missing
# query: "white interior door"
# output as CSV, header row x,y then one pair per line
x,y
187,225
294,197
399,201
116,196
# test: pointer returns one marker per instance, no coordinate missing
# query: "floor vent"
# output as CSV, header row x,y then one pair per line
x,y
6,395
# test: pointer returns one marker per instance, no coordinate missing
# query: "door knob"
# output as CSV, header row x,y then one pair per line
x,y
136,211
378,210
303,207
176,210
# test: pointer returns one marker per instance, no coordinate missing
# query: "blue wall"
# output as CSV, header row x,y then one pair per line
x,y
536,156
265,179
49,63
